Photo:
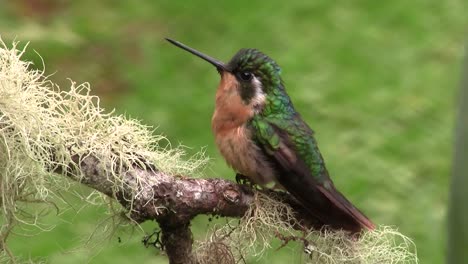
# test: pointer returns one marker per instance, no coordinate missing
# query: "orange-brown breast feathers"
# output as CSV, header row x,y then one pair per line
x,y
232,137
230,112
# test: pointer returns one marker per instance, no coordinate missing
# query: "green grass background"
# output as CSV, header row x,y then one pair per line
x,y
376,80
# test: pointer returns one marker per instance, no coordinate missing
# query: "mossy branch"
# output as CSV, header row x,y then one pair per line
x,y
47,133
174,200
171,201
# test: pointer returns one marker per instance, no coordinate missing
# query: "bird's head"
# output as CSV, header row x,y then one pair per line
x,y
250,73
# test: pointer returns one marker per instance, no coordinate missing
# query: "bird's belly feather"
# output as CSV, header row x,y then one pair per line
x,y
244,156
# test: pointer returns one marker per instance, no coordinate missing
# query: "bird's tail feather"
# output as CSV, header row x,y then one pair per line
x,y
329,206
345,205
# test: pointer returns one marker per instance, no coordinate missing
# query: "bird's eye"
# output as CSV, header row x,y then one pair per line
x,y
245,76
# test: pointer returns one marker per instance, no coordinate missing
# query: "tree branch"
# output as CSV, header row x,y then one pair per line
x,y
171,200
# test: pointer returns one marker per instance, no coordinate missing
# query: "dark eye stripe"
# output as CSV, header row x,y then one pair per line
x,y
246,91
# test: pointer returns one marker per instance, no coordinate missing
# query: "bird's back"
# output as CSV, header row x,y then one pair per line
x,y
302,172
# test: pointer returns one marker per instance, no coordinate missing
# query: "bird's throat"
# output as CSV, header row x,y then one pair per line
x,y
230,110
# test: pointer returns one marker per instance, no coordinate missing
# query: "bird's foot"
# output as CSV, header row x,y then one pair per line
x,y
244,180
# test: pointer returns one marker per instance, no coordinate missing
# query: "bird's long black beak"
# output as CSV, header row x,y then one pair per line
x,y
220,66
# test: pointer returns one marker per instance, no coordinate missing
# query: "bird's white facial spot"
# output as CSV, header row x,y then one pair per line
x,y
259,98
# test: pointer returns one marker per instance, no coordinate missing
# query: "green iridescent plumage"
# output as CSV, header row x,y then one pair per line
x,y
268,133
252,60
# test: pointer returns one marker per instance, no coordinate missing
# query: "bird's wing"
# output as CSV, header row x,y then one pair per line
x,y
290,145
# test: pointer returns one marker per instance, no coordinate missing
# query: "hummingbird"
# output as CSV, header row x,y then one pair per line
x,y
262,137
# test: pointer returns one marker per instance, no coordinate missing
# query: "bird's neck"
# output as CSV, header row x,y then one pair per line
x,y
231,111
277,103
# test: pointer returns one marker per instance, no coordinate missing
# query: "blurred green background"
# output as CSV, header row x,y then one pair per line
x,y
376,80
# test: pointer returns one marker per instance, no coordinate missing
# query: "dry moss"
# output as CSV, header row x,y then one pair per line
x,y
41,126
269,220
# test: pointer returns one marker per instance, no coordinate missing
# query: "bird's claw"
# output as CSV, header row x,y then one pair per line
x,y
244,180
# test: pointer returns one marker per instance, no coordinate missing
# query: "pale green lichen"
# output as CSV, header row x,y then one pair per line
x,y
269,221
42,126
